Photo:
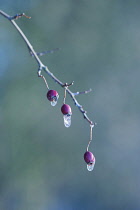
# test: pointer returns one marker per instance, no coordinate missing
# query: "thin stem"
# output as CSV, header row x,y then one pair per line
x,y
40,75
65,91
42,66
91,128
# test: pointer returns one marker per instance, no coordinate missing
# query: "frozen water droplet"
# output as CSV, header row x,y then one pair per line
x,y
54,102
90,166
67,120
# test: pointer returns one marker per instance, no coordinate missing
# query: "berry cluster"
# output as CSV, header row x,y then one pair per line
x,y
53,96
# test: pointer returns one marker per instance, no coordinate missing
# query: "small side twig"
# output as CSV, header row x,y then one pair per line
x,y
45,52
15,17
83,92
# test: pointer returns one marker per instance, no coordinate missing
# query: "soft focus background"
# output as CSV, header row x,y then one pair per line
x,y
41,161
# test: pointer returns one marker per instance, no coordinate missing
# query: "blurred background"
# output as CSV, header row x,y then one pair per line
x,y
41,161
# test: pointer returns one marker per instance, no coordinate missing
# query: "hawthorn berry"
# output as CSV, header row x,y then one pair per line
x,y
90,160
52,96
66,111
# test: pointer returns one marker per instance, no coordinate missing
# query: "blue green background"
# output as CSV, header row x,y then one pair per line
x,y
41,161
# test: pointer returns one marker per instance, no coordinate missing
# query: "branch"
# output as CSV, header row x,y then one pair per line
x,y
41,66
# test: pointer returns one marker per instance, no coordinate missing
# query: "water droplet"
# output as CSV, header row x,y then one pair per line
x,y
54,102
67,120
90,166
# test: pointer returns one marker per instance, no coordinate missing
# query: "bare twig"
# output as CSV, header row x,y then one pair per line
x,y
83,92
19,16
45,52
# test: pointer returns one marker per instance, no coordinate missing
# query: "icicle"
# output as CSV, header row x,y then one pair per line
x,y
90,166
67,120
54,102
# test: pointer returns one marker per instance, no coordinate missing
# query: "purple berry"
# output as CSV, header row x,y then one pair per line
x,y
66,109
52,95
89,157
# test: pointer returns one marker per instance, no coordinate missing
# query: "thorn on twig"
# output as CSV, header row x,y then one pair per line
x,y
67,85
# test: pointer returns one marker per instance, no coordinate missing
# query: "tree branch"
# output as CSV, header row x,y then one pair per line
x,y
41,66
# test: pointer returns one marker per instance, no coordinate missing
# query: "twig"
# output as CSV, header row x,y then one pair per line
x,y
45,52
83,92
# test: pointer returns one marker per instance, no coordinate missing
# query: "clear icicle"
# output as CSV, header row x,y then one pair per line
x,y
54,102
67,120
90,166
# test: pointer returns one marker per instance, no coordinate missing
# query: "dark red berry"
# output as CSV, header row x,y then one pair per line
x,y
89,157
52,95
66,109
